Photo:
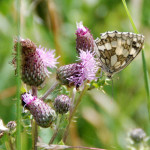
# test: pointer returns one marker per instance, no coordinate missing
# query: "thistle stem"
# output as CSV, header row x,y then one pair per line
x,y
73,112
56,130
73,94
83,147
10,142
34,126
18,137
50,90
34,91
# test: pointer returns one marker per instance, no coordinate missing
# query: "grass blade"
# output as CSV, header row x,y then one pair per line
x,y
146,76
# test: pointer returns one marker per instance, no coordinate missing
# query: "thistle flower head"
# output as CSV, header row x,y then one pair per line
x,y
65,72
84,38
34,62
86,68
62,104
77,73
43,114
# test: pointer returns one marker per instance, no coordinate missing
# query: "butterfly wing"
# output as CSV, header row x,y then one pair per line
x,y
116,50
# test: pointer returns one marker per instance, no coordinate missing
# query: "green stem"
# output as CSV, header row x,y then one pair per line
x,y
59,119
129,16
146,79
34,126
73,95
34,135
10,142
18,138
50,90
73,112
146,76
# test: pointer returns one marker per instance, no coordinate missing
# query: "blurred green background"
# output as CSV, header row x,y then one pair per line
x,y
101,121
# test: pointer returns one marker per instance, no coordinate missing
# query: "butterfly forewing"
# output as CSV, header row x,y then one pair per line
x,y
116,50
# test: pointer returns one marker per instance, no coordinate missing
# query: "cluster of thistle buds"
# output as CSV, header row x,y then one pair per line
x,y
35,62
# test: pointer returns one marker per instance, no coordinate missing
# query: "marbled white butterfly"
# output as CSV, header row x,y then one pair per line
x,y
115,50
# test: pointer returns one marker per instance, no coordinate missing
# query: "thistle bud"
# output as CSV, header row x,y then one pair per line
x,y
27,46
33,72
43,114
34,62
62,104
11,125
84,40
137,135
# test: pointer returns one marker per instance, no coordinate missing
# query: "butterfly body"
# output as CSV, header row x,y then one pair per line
x,y
115,50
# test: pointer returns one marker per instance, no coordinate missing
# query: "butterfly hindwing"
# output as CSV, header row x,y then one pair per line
x,y
116,50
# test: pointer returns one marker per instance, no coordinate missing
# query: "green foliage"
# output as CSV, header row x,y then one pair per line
x,y
100,121
146,75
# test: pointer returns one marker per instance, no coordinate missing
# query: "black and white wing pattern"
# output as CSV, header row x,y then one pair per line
x,y
115,50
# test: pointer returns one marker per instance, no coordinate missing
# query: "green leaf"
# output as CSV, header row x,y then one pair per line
x,y
146,76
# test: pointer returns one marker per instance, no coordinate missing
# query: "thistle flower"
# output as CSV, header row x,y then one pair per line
x,y
43,114
62,104
65,72
87,68
34,62
84,38
77,73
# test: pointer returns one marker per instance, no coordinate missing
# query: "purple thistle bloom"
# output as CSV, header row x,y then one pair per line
x,y
48,58
34,62
81,29
86,69
27,98
84,38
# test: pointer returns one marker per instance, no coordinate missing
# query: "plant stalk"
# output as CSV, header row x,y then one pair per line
x,y
50,90
34,126
56,130
147,82
10,142
73,95
18,138
146,76
73,112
